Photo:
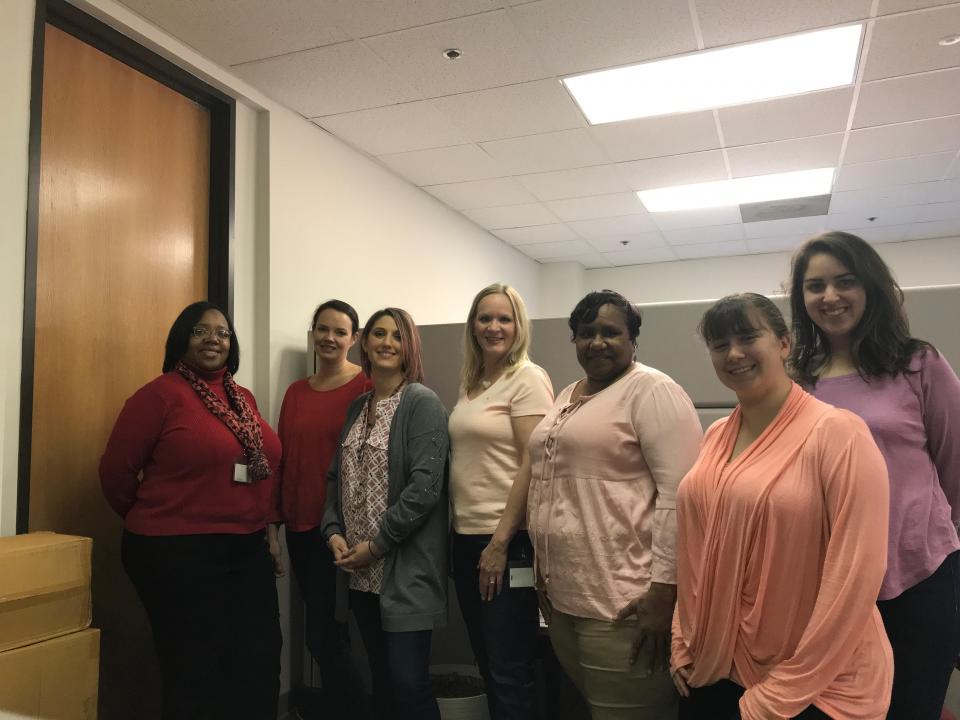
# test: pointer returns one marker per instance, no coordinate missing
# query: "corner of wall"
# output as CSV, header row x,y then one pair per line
x,y
562,284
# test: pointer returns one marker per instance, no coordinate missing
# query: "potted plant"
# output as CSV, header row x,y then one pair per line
x,y
459,691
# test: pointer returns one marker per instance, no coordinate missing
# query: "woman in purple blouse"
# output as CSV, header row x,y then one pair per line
x,y
853,349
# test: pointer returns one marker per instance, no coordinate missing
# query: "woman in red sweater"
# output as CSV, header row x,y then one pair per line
x,y
311,418
191,469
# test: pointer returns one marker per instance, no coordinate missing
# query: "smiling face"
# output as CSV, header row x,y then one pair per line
x,y
384,347
604,347
333,335
750,362
494,328
209,350
833,296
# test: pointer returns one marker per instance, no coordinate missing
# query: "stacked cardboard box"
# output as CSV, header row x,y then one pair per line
x,y
49,659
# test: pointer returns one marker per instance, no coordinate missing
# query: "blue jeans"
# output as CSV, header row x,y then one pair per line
x,y
503,631
399,664
923,624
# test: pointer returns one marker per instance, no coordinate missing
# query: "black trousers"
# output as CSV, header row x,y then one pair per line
x,y
923,624
720,702
212,605
399,664
328,640
503,631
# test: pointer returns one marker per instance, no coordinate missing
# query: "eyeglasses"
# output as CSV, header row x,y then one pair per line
x,y
201,332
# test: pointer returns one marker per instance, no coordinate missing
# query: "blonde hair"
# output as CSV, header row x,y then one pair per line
x,y
472,369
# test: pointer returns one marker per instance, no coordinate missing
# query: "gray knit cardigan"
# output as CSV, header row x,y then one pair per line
x,y
413,532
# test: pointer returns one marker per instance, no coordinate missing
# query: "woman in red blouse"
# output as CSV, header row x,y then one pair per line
x,y
311,418
191,469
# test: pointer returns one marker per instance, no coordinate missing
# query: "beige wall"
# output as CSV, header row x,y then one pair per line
x,y
917,263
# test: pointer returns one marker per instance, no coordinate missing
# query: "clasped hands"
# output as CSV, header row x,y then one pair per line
x,y
352,558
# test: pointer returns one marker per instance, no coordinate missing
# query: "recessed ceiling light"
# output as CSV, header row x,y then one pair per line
x,y
949,40
453,53
717,78
727,193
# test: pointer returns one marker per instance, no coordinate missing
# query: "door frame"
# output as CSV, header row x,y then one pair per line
x,y
222,108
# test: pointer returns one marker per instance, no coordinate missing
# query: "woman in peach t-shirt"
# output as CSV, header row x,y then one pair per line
x,y
782,539
502,398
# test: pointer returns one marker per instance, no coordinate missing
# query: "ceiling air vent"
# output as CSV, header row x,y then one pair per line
x,y
785,209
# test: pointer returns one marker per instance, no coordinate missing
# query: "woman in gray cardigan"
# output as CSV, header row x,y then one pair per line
x,y
386,517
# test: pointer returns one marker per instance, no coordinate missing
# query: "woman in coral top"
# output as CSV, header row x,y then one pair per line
x,y
782,531
311,418
854,350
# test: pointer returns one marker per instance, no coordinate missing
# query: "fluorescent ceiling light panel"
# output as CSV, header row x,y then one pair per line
x,y
725,193
717,78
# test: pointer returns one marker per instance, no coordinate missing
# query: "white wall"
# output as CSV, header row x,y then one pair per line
x,y
16,47
915,263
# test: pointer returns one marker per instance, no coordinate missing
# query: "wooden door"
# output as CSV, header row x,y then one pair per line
x,y
122,247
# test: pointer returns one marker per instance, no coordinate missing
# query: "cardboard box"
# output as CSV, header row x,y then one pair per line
x,y
44,587
55,679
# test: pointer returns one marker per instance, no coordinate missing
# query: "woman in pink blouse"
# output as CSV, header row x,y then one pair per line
x,y
605,464
781,536
854,350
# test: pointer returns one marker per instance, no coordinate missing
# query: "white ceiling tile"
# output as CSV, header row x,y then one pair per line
x,y
512,111
881,217
940,229
395,128
790,226
883,234
786,155
642,256
481,193
946,191
613,226
697,218
443,165
235,31
581,182
783,243
913,138
511,216
938,211
550,151
494,54
590,261
914,97
704,250
597,206
373,17
907,44
536,234
925,168
658,136
816,113
574,36
622,243
723,22
871,200
328,80
893,6
714,234
552,250
674,170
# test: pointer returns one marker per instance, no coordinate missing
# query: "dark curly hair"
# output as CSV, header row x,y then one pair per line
x,y
179,336
587,309
881,344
